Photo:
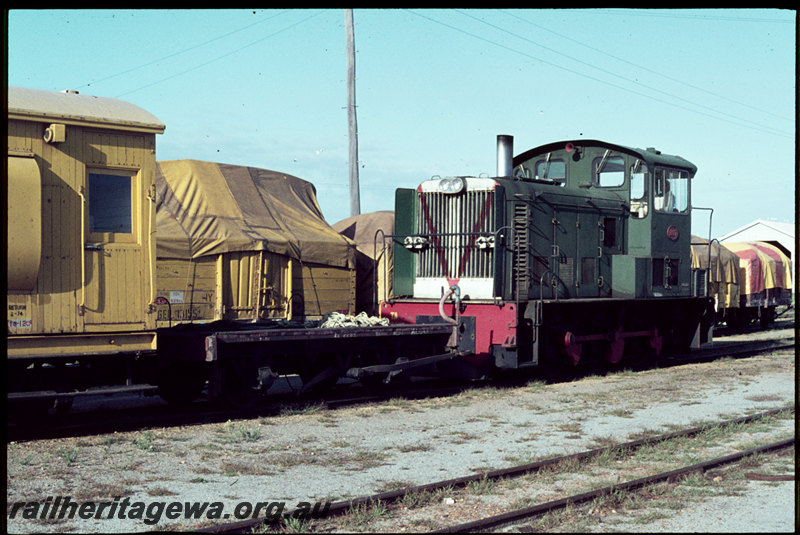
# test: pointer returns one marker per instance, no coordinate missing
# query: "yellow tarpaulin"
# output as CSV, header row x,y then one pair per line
x,y
206,208
724,272
765,267
374,269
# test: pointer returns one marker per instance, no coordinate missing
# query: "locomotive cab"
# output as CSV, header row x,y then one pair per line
x,y
645,237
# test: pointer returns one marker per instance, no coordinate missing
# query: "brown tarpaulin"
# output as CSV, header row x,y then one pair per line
x,y
363,229
724,272
206,208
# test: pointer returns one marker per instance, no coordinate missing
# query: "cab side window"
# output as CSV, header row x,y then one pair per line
x,y
671,190
639,178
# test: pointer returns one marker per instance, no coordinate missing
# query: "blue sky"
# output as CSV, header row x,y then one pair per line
x,y
267,88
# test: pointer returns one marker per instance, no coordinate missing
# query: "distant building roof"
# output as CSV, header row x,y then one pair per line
x,y
775,232
771,229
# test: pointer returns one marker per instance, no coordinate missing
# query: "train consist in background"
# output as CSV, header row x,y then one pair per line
x,y
129,274
748,280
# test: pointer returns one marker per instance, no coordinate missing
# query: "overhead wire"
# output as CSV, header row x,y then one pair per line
x,y
642,67
606,71
230,53
174,54
677,15
605,82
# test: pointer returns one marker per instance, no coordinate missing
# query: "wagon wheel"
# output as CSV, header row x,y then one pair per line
x,y
63,405
324,372
182,383
239,376
29,411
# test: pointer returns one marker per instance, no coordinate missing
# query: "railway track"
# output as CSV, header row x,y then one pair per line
x,y
159,414
391,498
495,521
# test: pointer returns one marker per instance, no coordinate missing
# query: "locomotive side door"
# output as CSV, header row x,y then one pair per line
x,y
671,228
608,173
588,255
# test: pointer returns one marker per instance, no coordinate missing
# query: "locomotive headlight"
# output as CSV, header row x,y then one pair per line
x,y
484,242
451,185
415,243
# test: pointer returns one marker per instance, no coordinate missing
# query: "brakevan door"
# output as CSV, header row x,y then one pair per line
x,y
116,240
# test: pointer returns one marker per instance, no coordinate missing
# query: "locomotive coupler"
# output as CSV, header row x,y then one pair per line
x,y
454,291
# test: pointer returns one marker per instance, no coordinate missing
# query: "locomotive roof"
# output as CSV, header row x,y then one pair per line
x,y
74,108
650,155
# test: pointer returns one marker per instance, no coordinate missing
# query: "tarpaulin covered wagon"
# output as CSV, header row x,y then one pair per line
x,y
243,243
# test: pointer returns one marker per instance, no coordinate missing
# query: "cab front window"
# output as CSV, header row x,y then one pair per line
x,y
554,171
608,171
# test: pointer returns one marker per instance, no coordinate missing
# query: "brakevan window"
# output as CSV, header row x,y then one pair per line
x,y
608,171
110,202
671,190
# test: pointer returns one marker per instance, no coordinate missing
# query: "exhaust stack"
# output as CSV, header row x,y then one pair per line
x,y
505,155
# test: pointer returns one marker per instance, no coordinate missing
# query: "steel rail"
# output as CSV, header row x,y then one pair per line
x,y
342,507
729,349
74,424
520,514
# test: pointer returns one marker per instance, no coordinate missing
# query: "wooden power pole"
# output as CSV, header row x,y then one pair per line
x,y
355,198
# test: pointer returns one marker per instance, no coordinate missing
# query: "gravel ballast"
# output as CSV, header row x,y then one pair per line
x,y
317,454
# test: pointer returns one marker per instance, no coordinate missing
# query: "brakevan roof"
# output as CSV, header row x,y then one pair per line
x,y
650,156
206,208
74,108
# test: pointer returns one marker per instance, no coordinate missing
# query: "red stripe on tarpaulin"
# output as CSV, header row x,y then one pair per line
x,y
779,283
752,266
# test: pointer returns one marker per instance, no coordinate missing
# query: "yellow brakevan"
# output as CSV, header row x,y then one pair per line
x,y
81,217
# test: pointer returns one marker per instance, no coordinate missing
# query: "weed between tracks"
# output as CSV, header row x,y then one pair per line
x,y
433,509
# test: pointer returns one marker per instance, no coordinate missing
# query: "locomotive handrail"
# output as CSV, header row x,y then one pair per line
x,y
710,241
375,269
710,217
541,285
82,304
425,234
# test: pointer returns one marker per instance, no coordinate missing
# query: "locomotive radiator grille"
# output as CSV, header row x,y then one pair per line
x,y
460,230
